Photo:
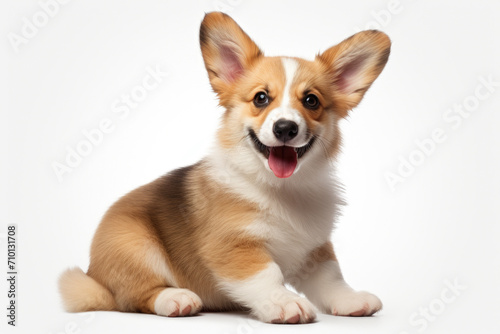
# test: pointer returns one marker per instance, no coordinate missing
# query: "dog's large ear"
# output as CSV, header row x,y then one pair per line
x,y
227,50
353,65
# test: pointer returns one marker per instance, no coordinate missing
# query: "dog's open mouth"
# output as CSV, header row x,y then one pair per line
x,y
281,159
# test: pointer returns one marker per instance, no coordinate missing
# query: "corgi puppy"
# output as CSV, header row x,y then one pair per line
x,y
257,213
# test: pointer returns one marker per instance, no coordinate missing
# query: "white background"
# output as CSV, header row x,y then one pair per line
x,y
441,223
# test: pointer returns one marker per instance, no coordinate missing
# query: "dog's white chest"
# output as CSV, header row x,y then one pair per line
x,y
292,230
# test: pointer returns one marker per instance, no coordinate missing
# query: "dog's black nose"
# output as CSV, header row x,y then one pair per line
x,y
285,130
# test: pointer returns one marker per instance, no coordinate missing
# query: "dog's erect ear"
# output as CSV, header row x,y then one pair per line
x,y
353,65
227,50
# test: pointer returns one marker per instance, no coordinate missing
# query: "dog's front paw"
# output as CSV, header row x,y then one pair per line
x,y
288,309
355,304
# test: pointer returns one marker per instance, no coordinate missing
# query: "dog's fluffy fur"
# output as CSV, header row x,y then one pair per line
x,y
228,232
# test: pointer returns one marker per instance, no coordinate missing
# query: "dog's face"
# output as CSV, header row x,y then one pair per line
x,y
284,111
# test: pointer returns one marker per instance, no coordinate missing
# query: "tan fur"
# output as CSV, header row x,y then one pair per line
x,y
221,221
323,253
267,76
82,293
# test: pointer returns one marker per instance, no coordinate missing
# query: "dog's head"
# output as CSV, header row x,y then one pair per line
x,y
284,111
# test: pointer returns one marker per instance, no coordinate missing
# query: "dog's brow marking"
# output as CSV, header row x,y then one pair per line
x,y
290,66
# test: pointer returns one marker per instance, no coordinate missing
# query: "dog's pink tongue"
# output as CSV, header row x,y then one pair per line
x,y
282,161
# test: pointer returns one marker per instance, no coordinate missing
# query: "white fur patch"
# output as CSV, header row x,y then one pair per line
x,y
267,297
155,260
324,285
285,111
290,66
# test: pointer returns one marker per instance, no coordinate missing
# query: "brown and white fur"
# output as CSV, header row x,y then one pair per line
x,y
228,232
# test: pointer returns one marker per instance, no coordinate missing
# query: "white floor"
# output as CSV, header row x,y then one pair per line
x,y
450,321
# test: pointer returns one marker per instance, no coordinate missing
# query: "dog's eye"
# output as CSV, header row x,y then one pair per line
x,y
261,100
311,101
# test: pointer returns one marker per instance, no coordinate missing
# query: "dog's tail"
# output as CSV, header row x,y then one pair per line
x,y
81,293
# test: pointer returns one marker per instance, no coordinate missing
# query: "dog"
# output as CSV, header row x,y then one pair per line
x,y
228,232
